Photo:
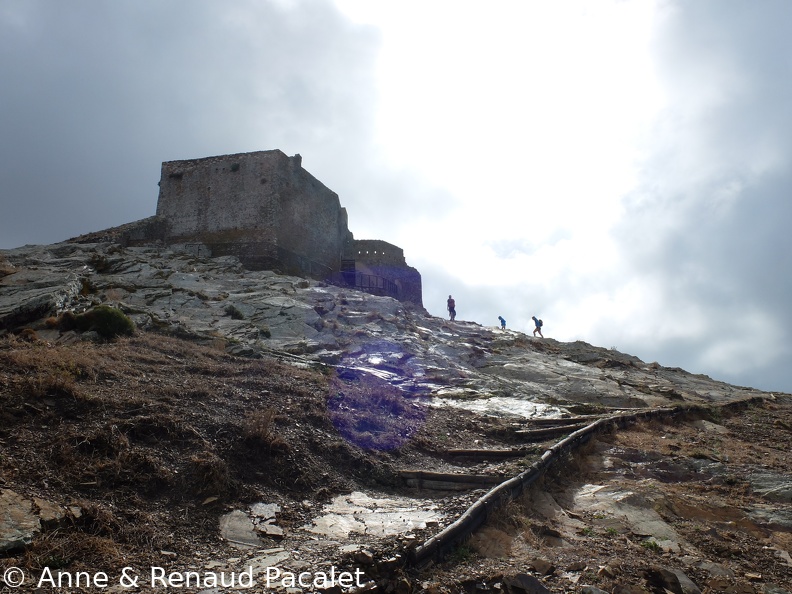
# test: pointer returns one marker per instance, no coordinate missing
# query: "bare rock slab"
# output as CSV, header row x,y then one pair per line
x,y
237,528
18,522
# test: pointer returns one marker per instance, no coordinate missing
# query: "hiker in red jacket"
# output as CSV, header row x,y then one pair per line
x,y
451,307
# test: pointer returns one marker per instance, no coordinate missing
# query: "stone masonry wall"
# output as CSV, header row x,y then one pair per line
x,y
263,198
378,252
383,259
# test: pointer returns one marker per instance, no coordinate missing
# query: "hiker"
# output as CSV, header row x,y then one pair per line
x,y
503,323
451,307
539,324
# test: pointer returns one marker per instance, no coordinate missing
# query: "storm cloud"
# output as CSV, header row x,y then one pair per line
x,y
96,95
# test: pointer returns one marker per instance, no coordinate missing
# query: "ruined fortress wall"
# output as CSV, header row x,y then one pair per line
x,y
310,219
378,252
263,198
383,259
219,194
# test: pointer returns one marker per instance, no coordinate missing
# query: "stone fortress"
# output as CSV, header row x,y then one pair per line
x,y
268,211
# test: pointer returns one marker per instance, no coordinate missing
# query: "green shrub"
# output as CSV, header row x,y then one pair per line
x,y
651,545
461,554
106,321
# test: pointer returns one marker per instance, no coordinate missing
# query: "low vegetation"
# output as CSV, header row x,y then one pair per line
x,y
150,437
108,322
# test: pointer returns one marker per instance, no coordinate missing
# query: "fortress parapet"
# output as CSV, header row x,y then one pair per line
x,y
376,259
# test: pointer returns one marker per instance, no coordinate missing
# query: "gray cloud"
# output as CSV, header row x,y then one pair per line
x,y
709,220
97,95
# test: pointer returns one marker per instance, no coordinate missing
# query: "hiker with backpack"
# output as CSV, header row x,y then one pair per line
x,y
539,324
503,323
451,307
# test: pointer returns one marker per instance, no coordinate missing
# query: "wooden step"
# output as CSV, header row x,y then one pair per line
x,y
547,432
444,481
541,421
480,454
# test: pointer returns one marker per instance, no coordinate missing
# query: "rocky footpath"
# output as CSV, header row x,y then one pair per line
x,y
697,505
272,422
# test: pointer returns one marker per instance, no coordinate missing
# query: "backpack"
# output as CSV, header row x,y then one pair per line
x,y
539,323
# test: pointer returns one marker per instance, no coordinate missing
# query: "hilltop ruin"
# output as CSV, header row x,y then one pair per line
x,y
266,209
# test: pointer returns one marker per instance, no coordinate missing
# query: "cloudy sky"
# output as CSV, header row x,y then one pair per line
x,y
620,168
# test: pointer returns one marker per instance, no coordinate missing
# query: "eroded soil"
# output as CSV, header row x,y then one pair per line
x,y
709,498
147,441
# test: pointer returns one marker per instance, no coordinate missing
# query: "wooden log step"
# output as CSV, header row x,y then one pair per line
x,y
547,432
565,421
444,481
490,454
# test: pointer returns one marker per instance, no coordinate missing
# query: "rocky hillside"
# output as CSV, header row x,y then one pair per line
x,y
260,421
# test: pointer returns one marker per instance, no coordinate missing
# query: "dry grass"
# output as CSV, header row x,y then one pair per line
x,y
157,424
209,475
260,433
5,267
51,383
41,357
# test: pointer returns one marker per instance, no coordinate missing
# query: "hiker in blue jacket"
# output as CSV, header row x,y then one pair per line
x,y
539,324
503,323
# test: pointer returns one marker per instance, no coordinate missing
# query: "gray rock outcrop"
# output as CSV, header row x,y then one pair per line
x,y
217,301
